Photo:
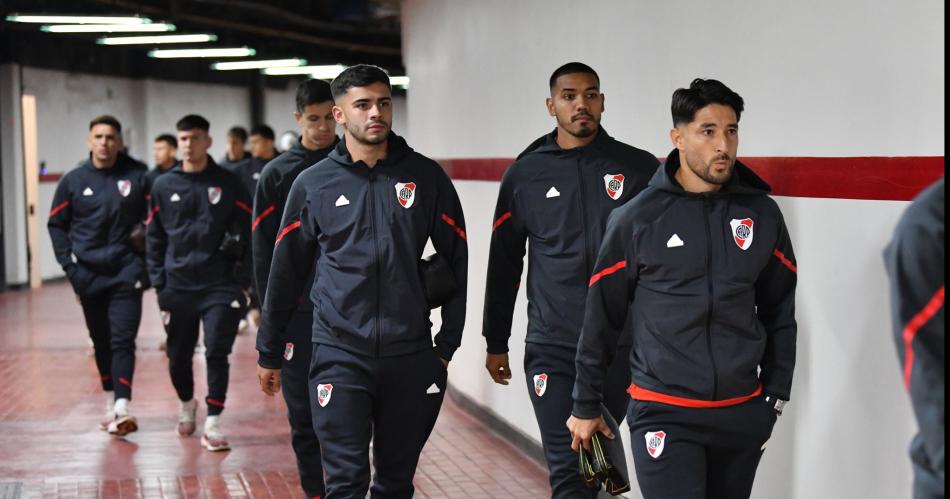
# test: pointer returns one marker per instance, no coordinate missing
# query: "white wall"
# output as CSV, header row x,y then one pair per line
x,y
146,108
846,78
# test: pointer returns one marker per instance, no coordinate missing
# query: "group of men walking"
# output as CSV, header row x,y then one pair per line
x,y
665,293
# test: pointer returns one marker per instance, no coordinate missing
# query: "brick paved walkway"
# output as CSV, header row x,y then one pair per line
x,y
50,404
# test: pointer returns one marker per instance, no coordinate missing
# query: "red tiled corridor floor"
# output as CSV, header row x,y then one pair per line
x,y
50,404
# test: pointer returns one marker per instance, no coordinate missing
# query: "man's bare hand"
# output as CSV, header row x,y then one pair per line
x,y
583,429
498,369
270,380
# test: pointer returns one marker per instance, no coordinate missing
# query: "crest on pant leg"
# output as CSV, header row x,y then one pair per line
x,y
288,351
540,384
166,317
655,441
323,394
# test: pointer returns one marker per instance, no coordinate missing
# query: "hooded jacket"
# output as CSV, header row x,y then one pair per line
x,y
915,265
366,229
559,200
273,189
707,283
92,215
189,215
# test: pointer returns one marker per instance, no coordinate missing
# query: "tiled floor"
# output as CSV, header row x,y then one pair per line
x,y
50,403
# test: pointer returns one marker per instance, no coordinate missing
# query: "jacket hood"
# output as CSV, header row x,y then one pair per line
x,y
744,181
548,143
397,150
298,150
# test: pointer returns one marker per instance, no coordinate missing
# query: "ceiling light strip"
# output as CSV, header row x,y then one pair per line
x,y
108,28
215,52
156,39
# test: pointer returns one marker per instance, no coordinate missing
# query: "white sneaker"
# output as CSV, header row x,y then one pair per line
x,y
243,327
213,438
186,418
110,413
124,423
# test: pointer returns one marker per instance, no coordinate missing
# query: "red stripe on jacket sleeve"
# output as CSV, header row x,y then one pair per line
x,y
785,261
56,209
270,209
501,220
910,331
287,230
607,271
151,215
451,222
242,205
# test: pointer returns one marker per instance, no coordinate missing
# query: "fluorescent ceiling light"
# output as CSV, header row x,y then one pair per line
x,y
156,39
227,52
317,72
399,81
108,28
274,63
29,18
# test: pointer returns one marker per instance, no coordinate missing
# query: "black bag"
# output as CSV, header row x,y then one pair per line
x,y
438,280
605,463
137,238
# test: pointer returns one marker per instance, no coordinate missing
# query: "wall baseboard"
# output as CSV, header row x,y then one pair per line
x,y
499,426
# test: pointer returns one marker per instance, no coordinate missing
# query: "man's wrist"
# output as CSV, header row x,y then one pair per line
x,y
777,404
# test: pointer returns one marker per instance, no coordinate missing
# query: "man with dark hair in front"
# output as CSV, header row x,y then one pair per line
x,y
284,360
556,197
249,171
914,260
198,231
95,208
235,153
363,216
165,153
700,267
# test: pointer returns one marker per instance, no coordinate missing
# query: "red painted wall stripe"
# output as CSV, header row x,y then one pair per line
x,y
58,208
785,261
873,178
287,230
447,219
270,209
640,393
606,272
910,331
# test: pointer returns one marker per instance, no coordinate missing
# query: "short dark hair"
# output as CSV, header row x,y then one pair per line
x,y
361,75
106,119
191,122
238,132
264,131
571,68
168,139
701,93
312,91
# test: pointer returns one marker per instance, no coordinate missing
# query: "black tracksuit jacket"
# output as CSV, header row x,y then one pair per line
x,y
559,199
92,214
188,218
366,228
705,313
273,189
915,265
